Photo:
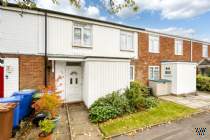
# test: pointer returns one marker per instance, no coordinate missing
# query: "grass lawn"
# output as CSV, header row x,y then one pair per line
x,y
165,112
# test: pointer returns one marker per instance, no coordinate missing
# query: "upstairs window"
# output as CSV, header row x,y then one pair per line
x,y
205,51
82,36
154,72
126,41
178,47
154,45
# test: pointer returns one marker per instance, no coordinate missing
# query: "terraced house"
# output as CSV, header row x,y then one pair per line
x,y
82,57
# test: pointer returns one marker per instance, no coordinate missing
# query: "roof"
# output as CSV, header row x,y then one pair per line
x,y
76,16
107,22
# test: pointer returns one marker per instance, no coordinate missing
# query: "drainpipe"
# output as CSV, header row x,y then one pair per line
x,y
191,49
45,54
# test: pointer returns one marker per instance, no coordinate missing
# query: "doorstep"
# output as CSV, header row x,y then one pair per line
x,y
80,126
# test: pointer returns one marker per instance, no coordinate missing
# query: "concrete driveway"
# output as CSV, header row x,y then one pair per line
x,y
181,130
201,101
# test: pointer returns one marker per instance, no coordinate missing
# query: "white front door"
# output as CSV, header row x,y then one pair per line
x,y
73,84
11,76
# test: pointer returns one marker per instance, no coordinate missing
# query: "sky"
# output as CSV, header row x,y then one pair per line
x,y
189,18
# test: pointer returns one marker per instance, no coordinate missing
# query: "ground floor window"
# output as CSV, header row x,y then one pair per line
x,y
154,72
132,73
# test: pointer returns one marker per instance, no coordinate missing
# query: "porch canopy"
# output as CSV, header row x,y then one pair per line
x,y
205,63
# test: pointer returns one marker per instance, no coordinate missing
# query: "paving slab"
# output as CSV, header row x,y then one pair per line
x,y
81,127
201,101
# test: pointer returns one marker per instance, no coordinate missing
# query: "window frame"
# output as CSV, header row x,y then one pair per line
x,y
126,34
205,54
153,78
82,26
133,73
151,49
177,44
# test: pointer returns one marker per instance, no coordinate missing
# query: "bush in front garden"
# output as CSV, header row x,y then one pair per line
x,y
203,83
136,95
150,102
115,104
102,113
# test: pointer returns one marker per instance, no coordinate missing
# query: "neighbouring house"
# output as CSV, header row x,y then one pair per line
x,y
155,48
83,58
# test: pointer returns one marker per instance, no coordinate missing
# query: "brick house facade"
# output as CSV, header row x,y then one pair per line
x,y
166,53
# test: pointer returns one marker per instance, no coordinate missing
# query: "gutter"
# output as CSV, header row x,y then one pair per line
x,y
45,53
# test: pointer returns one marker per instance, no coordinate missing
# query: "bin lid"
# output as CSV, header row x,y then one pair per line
x,y
5,107
10,99
25,91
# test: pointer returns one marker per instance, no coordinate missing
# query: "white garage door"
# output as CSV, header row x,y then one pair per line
x,y
11,76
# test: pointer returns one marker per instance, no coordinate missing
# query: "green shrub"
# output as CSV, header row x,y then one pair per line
x,y
115,104
102,113
150,102
140,88
203,83
136,95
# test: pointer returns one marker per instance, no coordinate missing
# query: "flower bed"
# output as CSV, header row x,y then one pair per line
x,y
113,105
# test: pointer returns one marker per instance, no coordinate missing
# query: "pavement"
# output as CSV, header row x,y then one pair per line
x,y
80,126
201,101
180,130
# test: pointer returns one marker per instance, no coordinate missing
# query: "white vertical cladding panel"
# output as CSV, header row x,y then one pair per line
x,y
21,34
183,77
60,77
85,85
186,78
11,76
59,36
106,41
105,77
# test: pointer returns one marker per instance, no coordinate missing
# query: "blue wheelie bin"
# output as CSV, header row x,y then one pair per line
x,y
25,102
16,114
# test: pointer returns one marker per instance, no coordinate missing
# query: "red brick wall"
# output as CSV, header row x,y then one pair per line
x,y
147,59
32,71
197,52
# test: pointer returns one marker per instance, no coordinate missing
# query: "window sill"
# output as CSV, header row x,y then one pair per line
x,y
82,46
126,50
154,52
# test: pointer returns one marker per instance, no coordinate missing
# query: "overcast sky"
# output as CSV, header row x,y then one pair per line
x,y
189,18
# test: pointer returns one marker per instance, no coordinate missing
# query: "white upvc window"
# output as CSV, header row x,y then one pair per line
x,y
132,73
82,35
205,51
178,47
154,72
126,41
154,44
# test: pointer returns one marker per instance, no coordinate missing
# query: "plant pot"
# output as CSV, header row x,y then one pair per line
x,y
38,117
48,137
